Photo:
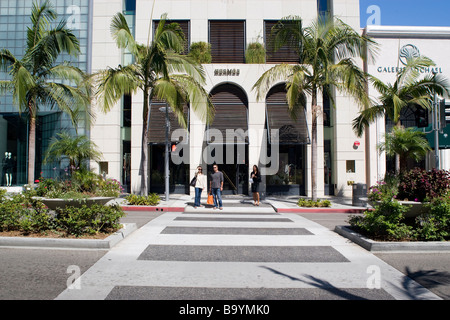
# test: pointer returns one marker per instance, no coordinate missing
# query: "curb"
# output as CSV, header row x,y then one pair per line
x,y
106,243
318,210
379,246
152,208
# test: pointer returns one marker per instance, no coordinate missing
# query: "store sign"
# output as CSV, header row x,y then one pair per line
x,y
406,52
227,72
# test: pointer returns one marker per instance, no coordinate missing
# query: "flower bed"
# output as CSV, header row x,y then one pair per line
x,y
21,214
394,220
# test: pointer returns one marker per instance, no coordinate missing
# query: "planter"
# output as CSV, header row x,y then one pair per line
x,y
415,210
62,203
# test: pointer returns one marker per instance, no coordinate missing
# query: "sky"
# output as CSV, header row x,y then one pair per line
x,y
434,13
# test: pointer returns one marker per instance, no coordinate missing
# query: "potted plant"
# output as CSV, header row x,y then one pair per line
x,y
255,53
200,52
82,187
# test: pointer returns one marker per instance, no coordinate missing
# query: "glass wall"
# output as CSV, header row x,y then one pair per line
x,y
13,149
14,21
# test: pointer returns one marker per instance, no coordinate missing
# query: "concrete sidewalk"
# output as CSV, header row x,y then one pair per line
x,y
288,204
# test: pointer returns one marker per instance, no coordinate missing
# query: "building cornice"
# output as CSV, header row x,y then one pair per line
x,y
376,31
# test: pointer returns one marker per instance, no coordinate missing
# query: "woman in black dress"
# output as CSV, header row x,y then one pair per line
x,y
255,180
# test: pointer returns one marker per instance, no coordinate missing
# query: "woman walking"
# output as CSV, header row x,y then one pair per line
x,y
200,184
255,180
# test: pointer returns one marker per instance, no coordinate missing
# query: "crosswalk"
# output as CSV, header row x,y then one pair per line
x,y
241,252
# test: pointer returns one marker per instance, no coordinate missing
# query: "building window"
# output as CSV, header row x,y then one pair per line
x,y
126,112
227,39
324,8
286,54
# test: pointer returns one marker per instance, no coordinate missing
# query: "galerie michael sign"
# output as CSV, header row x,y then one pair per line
x,y
406,52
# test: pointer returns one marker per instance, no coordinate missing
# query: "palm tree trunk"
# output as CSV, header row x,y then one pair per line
x,y
31,149
143,170
314,145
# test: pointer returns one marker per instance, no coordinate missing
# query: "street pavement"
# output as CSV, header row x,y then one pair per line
x,y
241,252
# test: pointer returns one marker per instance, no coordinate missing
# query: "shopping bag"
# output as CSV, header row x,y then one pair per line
x,y
210,199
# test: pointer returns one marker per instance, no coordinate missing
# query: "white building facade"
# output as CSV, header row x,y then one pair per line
x,y
341,155
395,43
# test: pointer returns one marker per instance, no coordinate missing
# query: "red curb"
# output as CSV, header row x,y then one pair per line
x,y
149,208
319,210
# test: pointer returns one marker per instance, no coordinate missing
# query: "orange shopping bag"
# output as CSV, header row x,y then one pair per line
x,y
210,199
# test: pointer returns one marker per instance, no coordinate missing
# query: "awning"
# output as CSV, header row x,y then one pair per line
x,y
231,113
278,118
157,124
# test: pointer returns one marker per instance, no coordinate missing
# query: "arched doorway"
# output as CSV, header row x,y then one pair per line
x,y
293,137
227,138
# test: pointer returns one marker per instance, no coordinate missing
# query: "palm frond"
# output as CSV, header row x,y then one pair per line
x,y
197,97
41,15
113,83
121,33
278,73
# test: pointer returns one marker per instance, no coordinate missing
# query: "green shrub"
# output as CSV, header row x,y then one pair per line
x,y
422,185
310,203
2,195
200,52
150,200
88,220
82,184
255,53
435,225
387,188
385,222
10,214
30,216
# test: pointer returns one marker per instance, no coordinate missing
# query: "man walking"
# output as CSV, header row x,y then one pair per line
x,y
216,187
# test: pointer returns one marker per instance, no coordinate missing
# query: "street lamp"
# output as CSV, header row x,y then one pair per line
x,y
166,110
436,131
436,127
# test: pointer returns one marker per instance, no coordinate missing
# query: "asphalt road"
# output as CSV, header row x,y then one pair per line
x,y
42,274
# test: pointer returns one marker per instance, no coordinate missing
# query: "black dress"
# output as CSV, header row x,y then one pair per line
x,y
256,180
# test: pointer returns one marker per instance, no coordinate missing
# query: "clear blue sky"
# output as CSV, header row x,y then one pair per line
x,y
406,12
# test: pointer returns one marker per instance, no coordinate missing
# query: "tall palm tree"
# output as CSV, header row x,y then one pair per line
x,y
326,51
159,71
408,89
405,143
33,83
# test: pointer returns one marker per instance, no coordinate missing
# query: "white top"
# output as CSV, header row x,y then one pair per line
x,y
201,181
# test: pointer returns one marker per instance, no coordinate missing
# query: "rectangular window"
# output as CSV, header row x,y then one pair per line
x,y
227,39
286,54
350,166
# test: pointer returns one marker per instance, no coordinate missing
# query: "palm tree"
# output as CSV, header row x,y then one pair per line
x,y
326,50
408,89
76,149
405,143
159,71
33,77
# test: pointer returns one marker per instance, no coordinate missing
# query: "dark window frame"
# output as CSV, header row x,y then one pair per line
x,y
237,59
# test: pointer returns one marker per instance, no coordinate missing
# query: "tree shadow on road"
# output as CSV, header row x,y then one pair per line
x,y
320,284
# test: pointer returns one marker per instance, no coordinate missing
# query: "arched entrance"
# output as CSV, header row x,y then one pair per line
x,y
293,137
227,139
